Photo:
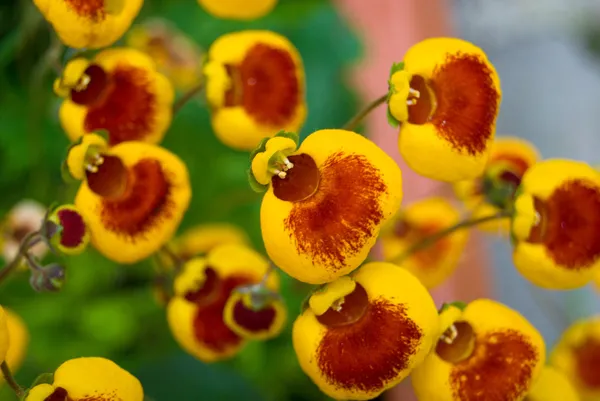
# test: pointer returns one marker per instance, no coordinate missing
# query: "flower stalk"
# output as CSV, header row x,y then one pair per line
x,y
357,119
186,97
10,380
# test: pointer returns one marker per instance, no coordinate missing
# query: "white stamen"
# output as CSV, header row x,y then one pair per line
x,y
83,82
411,102
450,337
91,168
414,92
280,174
288,164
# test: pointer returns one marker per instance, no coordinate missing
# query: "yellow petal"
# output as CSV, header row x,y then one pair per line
x,y
552,386
324,298
40,392
4,335
238,9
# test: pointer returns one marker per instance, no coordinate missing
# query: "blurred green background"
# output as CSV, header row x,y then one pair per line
x,y
109,310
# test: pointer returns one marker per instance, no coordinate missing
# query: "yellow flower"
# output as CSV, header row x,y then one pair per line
x,y
254,86
73,235
577,355
486,352
446,95
89,24
238,9
363,334
200,239
410,226
4,335
195,313
494,191
86,379
119,91
175,54
18,340
556,226
133,197
552,385
24,218
325,201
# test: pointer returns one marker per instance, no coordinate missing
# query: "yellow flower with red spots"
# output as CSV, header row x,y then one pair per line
x,y
325,201
446,97
89,24
238,9
119,91
255,87
487,351
18,337
552,385
556,225
203,291
577,355
86,379
412,225
364,333
494,191
133,196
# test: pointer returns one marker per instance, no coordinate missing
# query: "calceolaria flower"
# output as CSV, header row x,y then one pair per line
x,y
89,24
238,9
364,333
556,226
4,335
446,97
196,313
133,195
87,379
325,201
119,91
411,226
71,235
18,340
577,355
200,239
487,351
176,56
254,86
552,385
494,191
24,218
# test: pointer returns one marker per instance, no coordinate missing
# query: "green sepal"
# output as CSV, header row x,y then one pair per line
x,y
104,134
304,305
254,184
390,118
262,146
44,378
290,135
66,174
457,304
396,67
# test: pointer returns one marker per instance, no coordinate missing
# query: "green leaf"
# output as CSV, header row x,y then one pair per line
x,y
262,146
254,184
291,135
396,67
44,378
457,304
66,174
391,120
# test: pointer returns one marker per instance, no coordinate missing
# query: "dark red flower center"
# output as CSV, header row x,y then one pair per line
x,y
255,321
74,228
92,9
587,362
59,394
266,84
569,224
347,310
460,100
92,86
301,181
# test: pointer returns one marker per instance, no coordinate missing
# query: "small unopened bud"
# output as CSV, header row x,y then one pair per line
x,y
50,278
66,230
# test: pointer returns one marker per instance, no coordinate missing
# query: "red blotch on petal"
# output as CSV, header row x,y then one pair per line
x,y
341,216
96,88
129,108
499,369
74,228
93,9
254,321
59,394
587,359
366,355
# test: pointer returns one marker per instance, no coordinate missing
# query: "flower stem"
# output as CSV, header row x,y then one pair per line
x,y
186,97
177,261
10,380
26,243
432,239
357,119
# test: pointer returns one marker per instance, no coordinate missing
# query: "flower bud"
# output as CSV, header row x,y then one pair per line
x,y
48,278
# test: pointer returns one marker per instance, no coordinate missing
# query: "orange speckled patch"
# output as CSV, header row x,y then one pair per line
x,y
587,360
92,9
60,394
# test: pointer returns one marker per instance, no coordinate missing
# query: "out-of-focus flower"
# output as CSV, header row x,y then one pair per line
x,y
176,56
362,334
255,87
89,24
202,289
577,355
87,379
18,340
200,239
73,235
414,224
552,385
325,201
133,195
238,9
446,95
4,335
119,91
556,226
486,352
495,189
24,218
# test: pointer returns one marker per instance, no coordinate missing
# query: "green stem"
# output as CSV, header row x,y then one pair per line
x,y
186,97
432,239
357,119
10,380
25,245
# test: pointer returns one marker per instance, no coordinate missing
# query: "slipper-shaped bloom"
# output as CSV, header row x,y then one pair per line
x,y
202,289
89,24
552,385
495,190
254,86
238,9
325,201
364,333
72,236
118,91
577,355
446,97
487,351
411,226
24,218
556,225
176,56
89,379
132,196
18,335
